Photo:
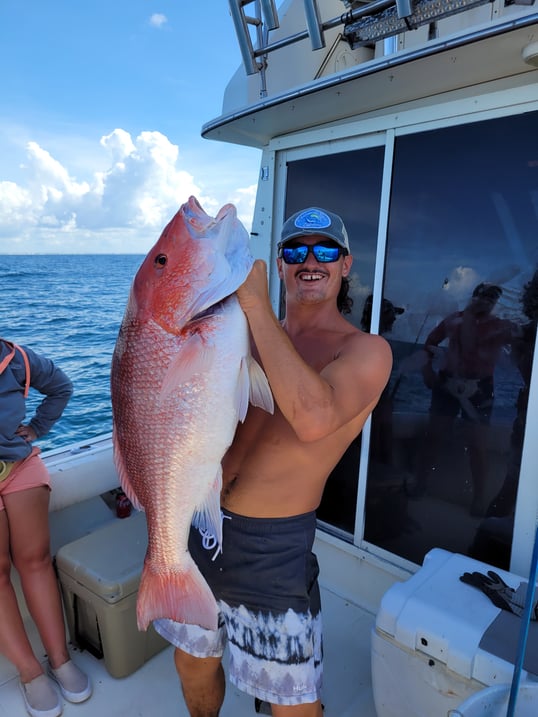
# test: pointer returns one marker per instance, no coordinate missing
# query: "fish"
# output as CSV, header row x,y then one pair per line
x,y
182,377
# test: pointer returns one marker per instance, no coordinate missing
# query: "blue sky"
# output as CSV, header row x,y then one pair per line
x,y
101,109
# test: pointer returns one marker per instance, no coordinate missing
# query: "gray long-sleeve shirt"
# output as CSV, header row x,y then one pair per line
x,y
46,378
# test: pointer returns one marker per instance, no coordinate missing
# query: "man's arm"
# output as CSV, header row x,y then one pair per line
x,y
433,340
436,335
57,388
315,404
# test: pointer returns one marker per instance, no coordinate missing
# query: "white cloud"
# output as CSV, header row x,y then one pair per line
x,y
15,205
142,185
119,144
244,199
121,207
461,282
158,20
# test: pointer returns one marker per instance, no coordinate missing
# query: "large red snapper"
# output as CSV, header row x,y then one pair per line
x,y
181,379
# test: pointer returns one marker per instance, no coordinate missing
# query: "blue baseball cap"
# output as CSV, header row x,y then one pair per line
x,y
314,220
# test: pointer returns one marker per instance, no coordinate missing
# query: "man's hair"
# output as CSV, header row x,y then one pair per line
x,y
344,301
488,291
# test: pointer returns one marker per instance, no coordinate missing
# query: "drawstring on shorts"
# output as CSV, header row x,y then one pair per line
x,y
209,539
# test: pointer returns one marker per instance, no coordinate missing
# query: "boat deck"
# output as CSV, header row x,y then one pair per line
x,y
154,690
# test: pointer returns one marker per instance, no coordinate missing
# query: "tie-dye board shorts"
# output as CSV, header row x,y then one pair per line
x,y
265,582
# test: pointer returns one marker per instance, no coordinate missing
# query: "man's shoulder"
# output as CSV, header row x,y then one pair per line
x,y
363,342
367,361
351,342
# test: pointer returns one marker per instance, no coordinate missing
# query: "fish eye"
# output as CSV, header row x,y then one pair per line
x,y
161,260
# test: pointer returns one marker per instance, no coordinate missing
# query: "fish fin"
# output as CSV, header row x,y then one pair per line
x,y
208,517
195,356
243,389
125,481
180,595
260,391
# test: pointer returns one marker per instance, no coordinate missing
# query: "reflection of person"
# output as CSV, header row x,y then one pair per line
x,y
389,313
24,532
522,353
326,376
463,386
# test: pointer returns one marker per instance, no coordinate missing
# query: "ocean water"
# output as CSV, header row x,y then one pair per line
x,y
69,308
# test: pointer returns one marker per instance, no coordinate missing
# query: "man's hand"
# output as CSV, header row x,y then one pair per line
x,y
429,376
26,432
254,292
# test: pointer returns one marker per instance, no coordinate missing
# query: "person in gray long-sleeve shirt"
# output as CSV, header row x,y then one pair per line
x,y
24,533
49,380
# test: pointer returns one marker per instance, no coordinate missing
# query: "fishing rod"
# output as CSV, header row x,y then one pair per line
x,y
399,379
524,630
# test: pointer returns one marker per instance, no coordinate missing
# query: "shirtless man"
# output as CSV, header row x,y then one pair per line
x,y
326,377
464,384
475,340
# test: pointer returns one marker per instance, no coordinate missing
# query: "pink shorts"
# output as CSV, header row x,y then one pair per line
x,y
28,473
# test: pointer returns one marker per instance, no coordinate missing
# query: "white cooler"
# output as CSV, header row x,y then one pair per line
x,y
426,653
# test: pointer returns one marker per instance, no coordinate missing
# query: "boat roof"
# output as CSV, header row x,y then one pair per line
x,y
479,55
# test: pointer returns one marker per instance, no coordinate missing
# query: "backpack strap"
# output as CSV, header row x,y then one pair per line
x,y
27,368
7,360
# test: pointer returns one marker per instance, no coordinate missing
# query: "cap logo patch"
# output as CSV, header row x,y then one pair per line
x,y
313,219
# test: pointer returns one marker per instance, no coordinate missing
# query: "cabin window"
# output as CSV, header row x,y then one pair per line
x,y
445,442
447,435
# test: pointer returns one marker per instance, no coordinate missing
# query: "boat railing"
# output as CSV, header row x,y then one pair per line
x,y
363,24
81,471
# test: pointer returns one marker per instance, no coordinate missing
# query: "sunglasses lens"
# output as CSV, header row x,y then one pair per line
x,y
294,254
326,254
297,254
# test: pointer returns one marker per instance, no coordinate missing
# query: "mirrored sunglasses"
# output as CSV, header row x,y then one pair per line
x,y
323,252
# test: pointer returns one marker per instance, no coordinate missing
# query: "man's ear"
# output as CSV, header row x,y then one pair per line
x,y
279,268
346,267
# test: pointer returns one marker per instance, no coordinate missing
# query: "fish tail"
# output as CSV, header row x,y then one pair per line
x,y
180,595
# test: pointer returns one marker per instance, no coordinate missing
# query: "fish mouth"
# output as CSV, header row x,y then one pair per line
x,y
225,243
202,223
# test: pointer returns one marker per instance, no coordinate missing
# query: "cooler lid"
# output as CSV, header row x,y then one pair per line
x,y
435,613
108,562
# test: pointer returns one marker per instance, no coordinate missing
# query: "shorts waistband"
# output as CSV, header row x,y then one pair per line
x,y
272,525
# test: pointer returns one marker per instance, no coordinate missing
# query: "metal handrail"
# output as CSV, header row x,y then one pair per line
x,y
373,20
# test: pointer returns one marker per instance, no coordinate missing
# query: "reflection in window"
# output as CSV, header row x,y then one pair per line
x,y
350,185
461,254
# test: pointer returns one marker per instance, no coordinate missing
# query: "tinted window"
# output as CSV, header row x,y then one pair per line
x,y
461,255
